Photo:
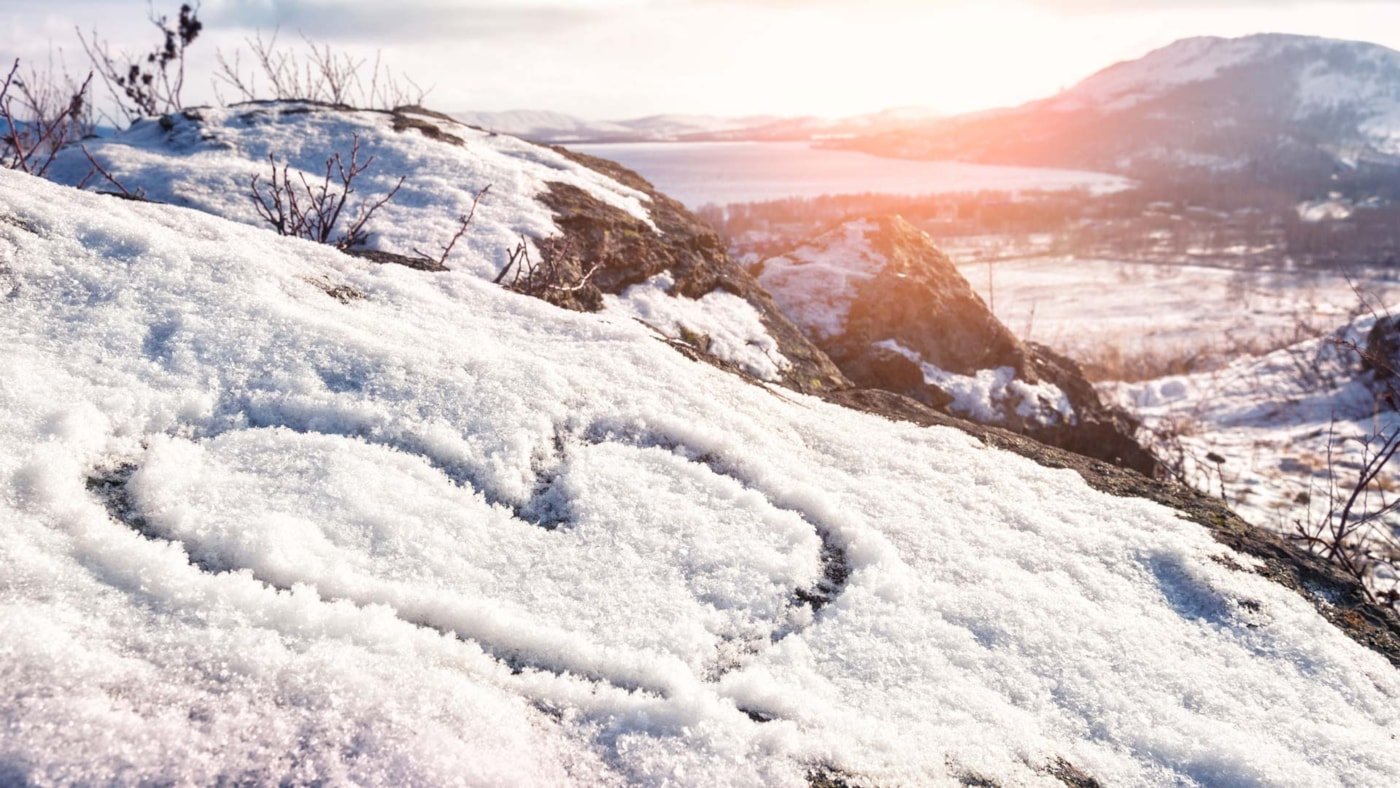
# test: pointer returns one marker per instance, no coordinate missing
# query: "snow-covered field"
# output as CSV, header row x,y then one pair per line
x,y
698,173
1081,306
428,531
1288,431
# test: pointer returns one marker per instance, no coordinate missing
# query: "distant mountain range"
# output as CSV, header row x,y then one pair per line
x,y
1273,107
559,128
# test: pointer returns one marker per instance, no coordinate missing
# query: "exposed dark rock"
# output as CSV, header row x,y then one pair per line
x,y
1338,598
626,252
1382,349
389,258
914,296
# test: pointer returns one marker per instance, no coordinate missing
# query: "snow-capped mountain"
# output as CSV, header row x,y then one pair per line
x,y
559,128
1274,106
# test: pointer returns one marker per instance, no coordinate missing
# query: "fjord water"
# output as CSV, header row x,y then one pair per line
x,y
697,173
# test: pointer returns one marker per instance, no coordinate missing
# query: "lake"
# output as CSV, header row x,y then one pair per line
x,y
697,173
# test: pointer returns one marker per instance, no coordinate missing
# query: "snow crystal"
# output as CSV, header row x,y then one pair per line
x,y
445,534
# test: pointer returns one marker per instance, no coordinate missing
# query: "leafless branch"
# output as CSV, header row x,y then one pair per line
x,y
314,211
466,221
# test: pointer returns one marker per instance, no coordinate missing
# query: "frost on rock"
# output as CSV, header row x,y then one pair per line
x,y
442,534
718,323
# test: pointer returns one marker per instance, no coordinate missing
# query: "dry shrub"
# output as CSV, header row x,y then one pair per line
x,y
319,74
315,210
150,84
40,116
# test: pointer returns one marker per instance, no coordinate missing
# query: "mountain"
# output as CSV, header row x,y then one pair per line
x,y
1272,107
277,514
558,128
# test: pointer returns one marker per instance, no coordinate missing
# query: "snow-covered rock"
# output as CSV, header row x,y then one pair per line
x,y
275,514
577,213
894,313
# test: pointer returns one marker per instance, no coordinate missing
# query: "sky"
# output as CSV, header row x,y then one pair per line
x,y
628,58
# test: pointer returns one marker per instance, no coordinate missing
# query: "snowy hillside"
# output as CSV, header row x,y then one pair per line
x,y
549,200
205,158
1275,435
1286,106
274,514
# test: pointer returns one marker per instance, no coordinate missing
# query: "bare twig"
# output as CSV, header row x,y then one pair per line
x,y
466,221
152,83
40,118
107,176
317,73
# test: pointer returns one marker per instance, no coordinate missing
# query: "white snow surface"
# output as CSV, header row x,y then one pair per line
x,y
816,283
209,165
331,554
733,328
1282,423
991,395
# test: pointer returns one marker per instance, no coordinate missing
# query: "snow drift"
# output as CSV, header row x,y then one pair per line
x,y
277,514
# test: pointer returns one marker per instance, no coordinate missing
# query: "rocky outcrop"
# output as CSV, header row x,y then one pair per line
x,y
1382,353
622,251
894,313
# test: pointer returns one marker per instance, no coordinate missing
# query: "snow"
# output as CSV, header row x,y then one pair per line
x,y
816,283
209,166
1278,421
1331,209
990,395
729,326
1183,62
448,534
1084,306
